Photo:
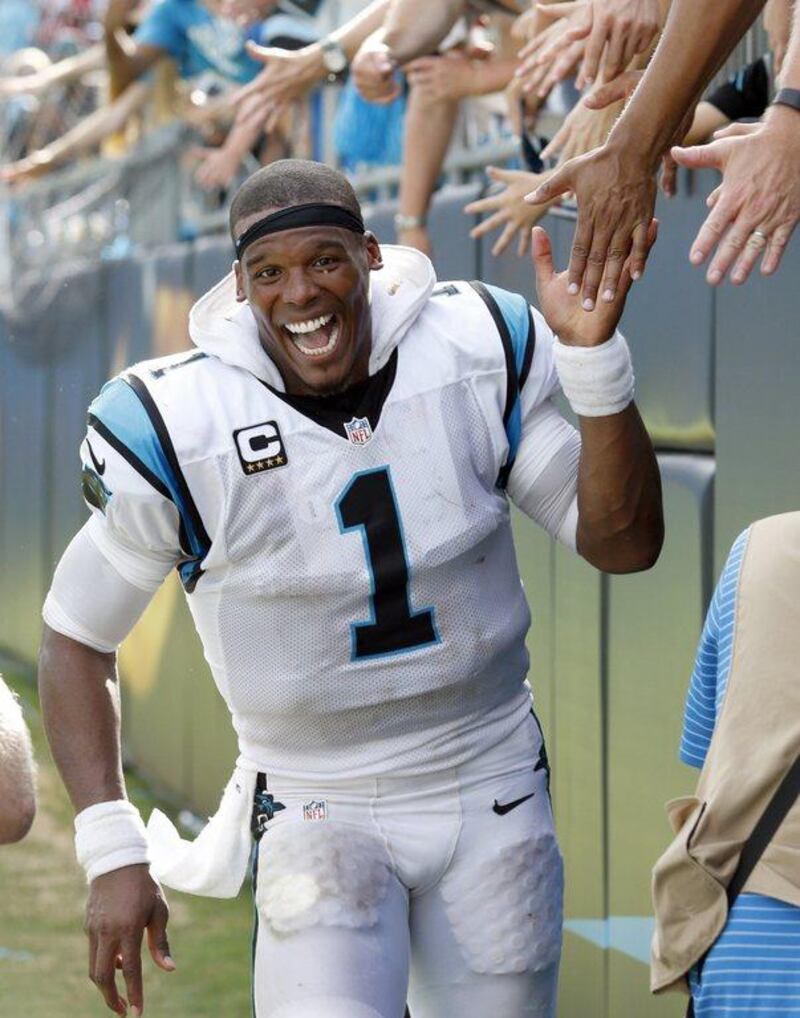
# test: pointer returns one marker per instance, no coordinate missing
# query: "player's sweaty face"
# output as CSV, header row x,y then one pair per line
x,y
308,290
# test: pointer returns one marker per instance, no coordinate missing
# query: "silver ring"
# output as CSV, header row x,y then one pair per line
x,y
759,238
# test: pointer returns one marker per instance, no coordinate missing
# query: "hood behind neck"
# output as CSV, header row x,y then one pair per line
x,y
221,326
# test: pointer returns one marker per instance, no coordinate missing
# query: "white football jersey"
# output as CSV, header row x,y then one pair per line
x,y
355,586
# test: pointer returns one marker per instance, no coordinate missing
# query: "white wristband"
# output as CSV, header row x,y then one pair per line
x,y
108,836
597,380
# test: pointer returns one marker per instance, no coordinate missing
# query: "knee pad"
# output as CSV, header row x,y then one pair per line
x,y
325,874
326,1007
506,909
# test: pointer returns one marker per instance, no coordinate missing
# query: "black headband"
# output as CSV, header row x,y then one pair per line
x,y
311,214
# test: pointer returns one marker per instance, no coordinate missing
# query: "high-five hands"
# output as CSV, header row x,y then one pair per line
x,y
563,309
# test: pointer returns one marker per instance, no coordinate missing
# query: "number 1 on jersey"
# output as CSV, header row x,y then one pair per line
x,y
368,504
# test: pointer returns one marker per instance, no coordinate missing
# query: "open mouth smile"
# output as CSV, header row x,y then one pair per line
x,y
314,337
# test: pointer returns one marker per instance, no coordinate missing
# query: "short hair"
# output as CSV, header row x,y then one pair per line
x,y
288,182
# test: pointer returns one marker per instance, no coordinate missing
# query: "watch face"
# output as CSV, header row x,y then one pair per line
x,y
334,57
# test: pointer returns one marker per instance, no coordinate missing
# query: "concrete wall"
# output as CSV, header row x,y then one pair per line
x,y
718,382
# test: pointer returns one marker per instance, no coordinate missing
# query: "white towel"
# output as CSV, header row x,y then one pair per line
x,y
215,863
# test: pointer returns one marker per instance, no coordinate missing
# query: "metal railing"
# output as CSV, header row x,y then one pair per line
x,y
103,208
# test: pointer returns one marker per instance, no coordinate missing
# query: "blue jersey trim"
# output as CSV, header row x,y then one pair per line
x,y
126,412
514,322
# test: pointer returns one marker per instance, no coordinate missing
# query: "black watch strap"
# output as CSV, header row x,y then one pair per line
x,y
788,97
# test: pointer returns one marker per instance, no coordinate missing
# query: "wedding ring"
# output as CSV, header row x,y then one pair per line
x,y
759,238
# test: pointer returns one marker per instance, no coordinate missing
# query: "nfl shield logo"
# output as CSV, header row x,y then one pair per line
x,y
317,809
358,430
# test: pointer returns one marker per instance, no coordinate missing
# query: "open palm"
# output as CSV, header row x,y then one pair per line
x,y
563,309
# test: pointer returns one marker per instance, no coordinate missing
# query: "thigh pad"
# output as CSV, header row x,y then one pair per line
x,y
505,908
329,874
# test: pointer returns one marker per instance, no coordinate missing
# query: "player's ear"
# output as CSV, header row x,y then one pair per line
x,y
239,277
373,249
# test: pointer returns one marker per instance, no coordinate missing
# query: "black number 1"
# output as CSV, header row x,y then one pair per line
x,y
368,504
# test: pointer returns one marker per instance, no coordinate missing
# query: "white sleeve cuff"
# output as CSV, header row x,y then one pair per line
x,y
89,601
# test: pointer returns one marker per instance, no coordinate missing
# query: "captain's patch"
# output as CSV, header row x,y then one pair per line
x,y
260,447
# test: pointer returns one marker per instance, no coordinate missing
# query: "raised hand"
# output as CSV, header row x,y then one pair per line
x,y
450,76
584,128
287,75
216,166
756,207
563,310
373,70
615,190
553,53
122,905
615,32
507,209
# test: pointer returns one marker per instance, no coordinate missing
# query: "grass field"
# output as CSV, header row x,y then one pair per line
x,y
43,957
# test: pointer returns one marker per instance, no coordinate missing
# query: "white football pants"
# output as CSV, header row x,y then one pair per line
x,y
445,890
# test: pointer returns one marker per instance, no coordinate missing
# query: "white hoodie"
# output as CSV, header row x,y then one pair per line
x,y
221,326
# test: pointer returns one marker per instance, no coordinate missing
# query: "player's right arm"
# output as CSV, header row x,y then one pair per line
x,y
102,584
80,704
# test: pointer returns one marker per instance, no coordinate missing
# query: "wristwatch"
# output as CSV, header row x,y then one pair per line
x,y
334,58
404,222
788,97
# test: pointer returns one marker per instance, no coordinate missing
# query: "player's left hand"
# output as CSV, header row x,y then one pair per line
x,y
757,206
563,311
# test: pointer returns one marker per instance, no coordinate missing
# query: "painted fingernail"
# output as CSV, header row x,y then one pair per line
x,y
608,295
588,304
572,288
696,257
714,276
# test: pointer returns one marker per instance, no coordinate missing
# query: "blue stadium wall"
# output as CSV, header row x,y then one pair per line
x,y
718,383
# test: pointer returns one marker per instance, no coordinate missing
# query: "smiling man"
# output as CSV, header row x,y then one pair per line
x,y
330,472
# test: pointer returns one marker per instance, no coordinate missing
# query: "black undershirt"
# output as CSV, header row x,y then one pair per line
x,y
364,399
746,94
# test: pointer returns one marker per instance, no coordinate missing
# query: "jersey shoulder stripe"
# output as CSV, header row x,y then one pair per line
x,y
517,331
126,415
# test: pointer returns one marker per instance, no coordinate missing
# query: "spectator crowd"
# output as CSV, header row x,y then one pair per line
x,y
81,78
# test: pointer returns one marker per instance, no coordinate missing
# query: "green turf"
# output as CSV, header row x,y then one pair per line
x,y
43,957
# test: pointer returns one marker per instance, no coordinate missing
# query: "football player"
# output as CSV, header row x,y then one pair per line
x,y
330,472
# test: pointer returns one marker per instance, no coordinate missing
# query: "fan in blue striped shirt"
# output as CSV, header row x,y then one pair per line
x,y
754,966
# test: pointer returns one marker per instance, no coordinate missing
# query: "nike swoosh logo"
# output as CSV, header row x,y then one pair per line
x,y
506,807
99,467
